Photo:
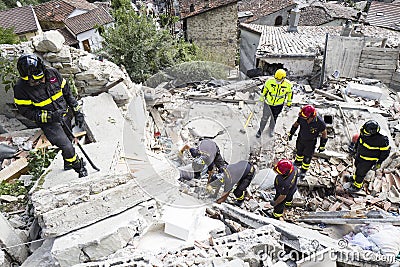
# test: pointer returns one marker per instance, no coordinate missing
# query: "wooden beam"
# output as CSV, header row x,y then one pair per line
x,y
14,170
158,120
108,87
328,95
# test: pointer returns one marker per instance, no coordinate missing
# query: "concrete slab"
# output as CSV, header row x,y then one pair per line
x,y
13,244
103,238
367,91
71,206
41,257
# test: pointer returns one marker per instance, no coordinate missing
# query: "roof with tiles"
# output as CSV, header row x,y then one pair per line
x,y
200,6
307,42
59,10
385,15
88,20
262,8
22,19
69,38
320,13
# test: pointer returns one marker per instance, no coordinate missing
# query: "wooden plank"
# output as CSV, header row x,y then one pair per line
x,y
14,170
79,134
158,120
377,66
375,72
108,87
328,95
43,142
335,206
381,49
377,57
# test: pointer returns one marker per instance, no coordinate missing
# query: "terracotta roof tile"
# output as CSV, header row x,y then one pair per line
x,y
385,15
320,13
69,38
81,4
21,18
56,10
200,6
88,21
261,8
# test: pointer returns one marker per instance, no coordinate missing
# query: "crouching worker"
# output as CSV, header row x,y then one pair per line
x,y
206,155
240,174
285,186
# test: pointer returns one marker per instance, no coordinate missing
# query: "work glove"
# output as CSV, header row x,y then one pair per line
x,y
290,136
46,116
272,202
262,98
321,149
376,166
287,108
79,119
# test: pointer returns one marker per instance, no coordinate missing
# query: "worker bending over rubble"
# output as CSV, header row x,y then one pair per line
x,y
275,91
370,150
311,126
240,174
206,155
43,96
285,185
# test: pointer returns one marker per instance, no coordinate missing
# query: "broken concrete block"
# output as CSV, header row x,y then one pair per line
x,y
264,179
8,198
120,93
49,41
367,91
180,221
68,207
41,256
11,241
100,239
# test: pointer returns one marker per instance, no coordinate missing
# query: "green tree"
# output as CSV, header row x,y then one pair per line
x,y
135,42
7,36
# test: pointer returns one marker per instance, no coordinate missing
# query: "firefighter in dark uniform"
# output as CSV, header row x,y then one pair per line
x,y
371,149
285,185
240,174
207,154
311,126
43,96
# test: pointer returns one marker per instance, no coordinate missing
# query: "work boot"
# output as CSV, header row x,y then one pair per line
x,y
67,165
270,214
350,188
349,178
79,166
258,134
298,163
238,203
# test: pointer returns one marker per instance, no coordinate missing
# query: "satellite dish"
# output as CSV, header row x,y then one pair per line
x,y
19,4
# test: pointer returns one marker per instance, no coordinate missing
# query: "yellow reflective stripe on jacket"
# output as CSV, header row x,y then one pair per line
x,y
49,100
368,158
64,82
373,147
22,102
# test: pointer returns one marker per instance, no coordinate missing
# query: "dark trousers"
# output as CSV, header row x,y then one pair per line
x,y
244,182
362,167
55,133
305,151
218,161
278,209
267,112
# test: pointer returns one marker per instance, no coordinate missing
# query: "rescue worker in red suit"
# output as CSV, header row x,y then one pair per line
x,y
42,95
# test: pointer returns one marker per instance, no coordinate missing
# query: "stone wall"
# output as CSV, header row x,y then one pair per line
x,y
215,32
271,18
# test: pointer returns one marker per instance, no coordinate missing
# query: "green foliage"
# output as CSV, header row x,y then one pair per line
x,y
167,21
14,188
39,160
135,42
7,36
8,73
72,86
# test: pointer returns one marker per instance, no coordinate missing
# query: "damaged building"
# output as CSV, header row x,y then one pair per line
x,y
137,211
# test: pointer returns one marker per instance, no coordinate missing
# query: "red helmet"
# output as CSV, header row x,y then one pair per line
x,y
284,167
355,138
308,111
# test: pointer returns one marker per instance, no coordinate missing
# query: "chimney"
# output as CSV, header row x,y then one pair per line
x,y
294,19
